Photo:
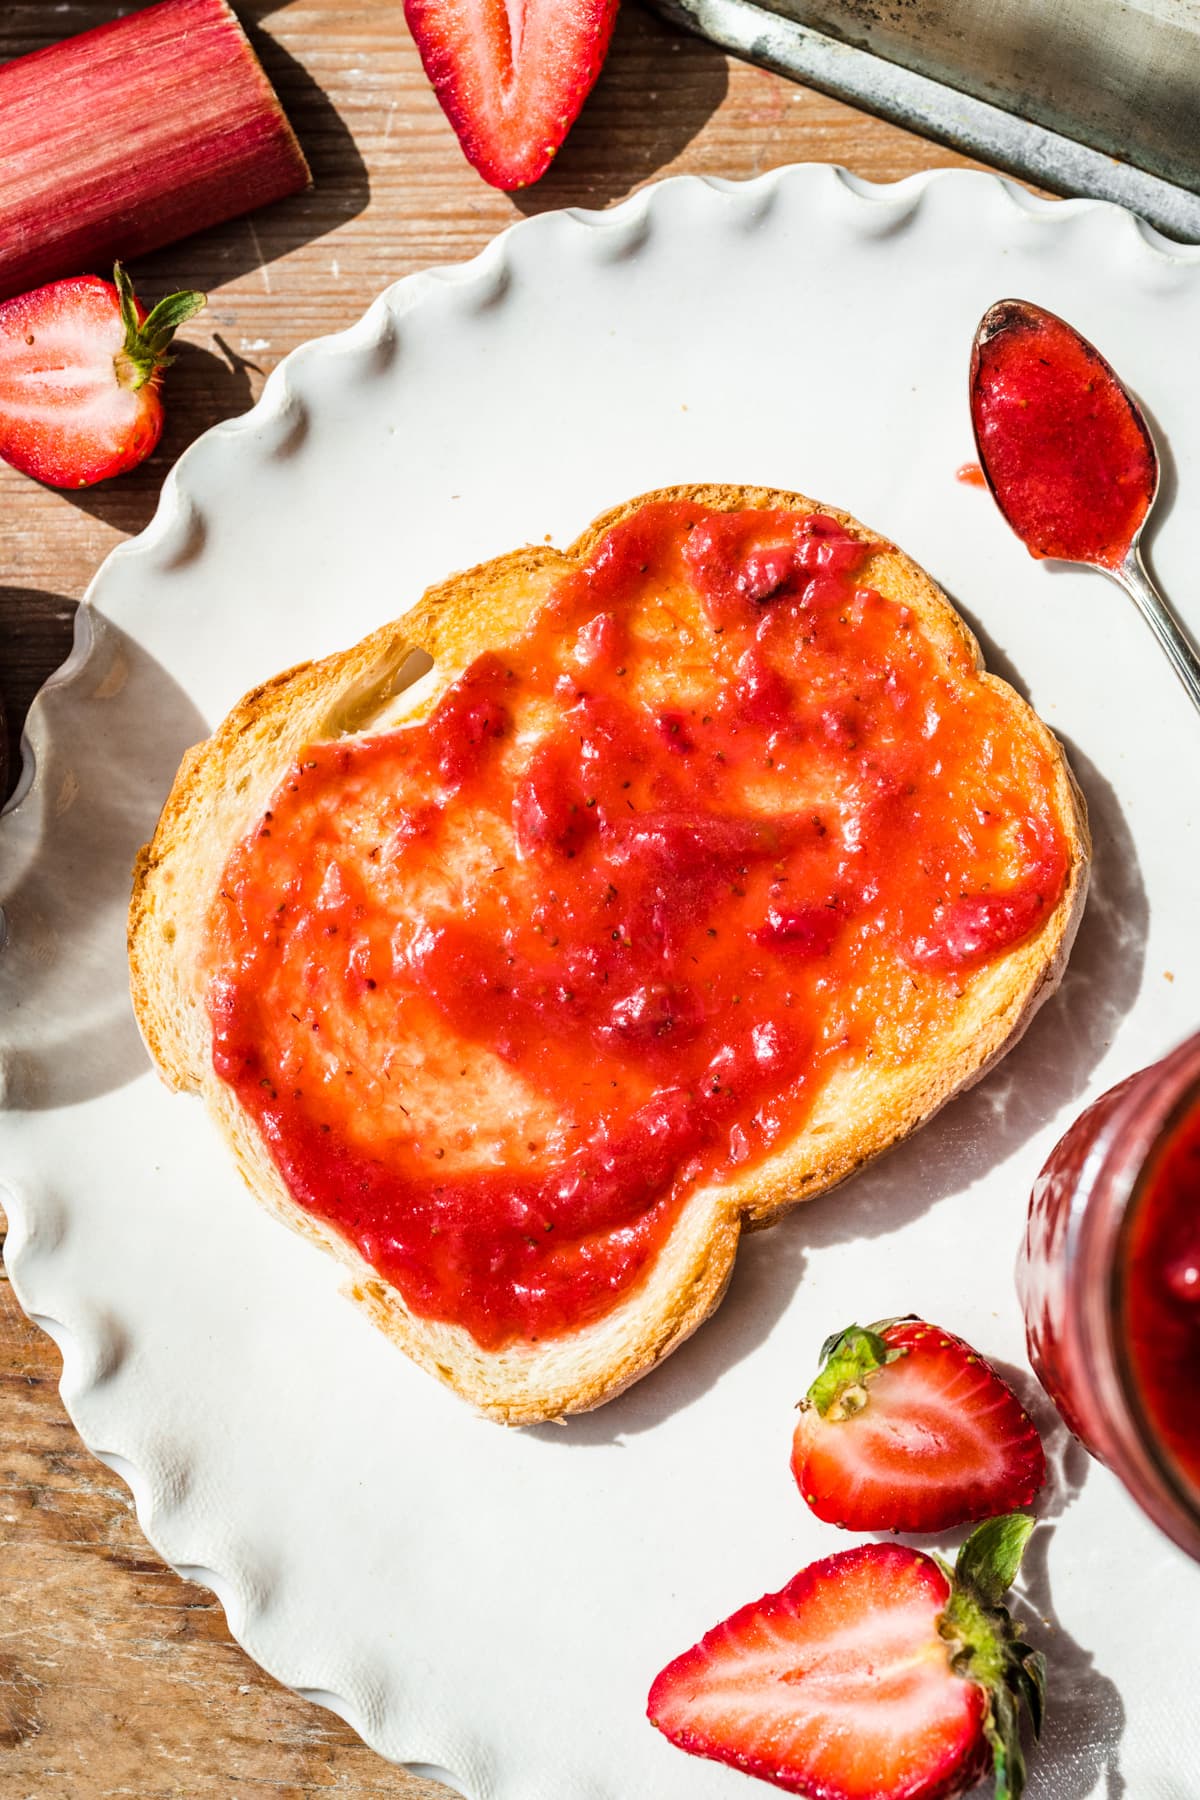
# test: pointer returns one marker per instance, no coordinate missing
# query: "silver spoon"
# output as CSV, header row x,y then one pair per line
x,y
1130,572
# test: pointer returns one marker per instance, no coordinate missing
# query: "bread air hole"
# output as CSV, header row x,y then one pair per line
x,y
373,701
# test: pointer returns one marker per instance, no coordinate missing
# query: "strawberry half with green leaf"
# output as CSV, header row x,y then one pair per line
x,y
906,1428
877,1674
511,75
81,366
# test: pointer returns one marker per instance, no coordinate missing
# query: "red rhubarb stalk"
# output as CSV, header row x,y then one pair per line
x,y
133,135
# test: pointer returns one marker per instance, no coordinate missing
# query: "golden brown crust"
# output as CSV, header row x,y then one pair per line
x,y
223,786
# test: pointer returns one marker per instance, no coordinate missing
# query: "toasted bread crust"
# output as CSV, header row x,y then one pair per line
x,y
224,784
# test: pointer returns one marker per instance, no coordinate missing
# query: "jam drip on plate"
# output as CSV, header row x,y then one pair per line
x,y
501,988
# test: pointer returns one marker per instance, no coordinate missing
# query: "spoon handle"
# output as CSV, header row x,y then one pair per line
x,y
1181,652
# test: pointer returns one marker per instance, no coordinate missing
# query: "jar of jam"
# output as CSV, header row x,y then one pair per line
x,y
1109,1279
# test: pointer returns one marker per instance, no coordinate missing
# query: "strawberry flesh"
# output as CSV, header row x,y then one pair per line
x,y
511,75
879,1674
839,1686
80,378
64,417
928,1439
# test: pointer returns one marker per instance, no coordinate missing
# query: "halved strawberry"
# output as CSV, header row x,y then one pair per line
x,y
906,1428
877,1674
511,75
80,371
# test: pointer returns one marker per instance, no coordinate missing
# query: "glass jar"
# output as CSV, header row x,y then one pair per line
x,y
1079,1273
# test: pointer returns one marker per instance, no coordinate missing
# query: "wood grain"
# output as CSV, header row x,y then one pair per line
x,y
116,1677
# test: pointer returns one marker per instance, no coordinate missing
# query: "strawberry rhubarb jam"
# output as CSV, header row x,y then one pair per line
x,y
1067,454
502,986
1160,1293
1110,1282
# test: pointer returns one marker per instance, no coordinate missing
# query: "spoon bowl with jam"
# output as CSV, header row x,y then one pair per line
x,y
1069,458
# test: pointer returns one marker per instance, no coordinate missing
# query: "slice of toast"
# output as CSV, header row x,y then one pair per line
x,y
225,786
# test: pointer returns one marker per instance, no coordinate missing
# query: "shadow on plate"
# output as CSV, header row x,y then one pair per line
x,y
1168,489
111,734
1085,1717
1045,1073
1168,475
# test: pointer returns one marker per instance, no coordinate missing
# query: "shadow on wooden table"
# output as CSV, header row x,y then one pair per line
x,y
340,190
610,150
203,388
35,637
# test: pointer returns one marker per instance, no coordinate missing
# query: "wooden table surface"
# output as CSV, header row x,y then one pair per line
x,y
117,1677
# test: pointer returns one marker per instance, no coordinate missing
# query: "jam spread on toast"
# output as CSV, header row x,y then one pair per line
x,y
1160,1287
502,987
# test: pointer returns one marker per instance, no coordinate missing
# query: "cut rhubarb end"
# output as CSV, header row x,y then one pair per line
x,y
134,135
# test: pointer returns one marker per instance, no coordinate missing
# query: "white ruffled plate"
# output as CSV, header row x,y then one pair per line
x,y
496,1603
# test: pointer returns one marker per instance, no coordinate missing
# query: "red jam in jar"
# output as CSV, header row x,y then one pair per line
x,y
501,987
1159,1294
1109,1278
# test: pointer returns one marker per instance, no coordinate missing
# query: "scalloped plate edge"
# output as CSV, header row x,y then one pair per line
x,y
87,1357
